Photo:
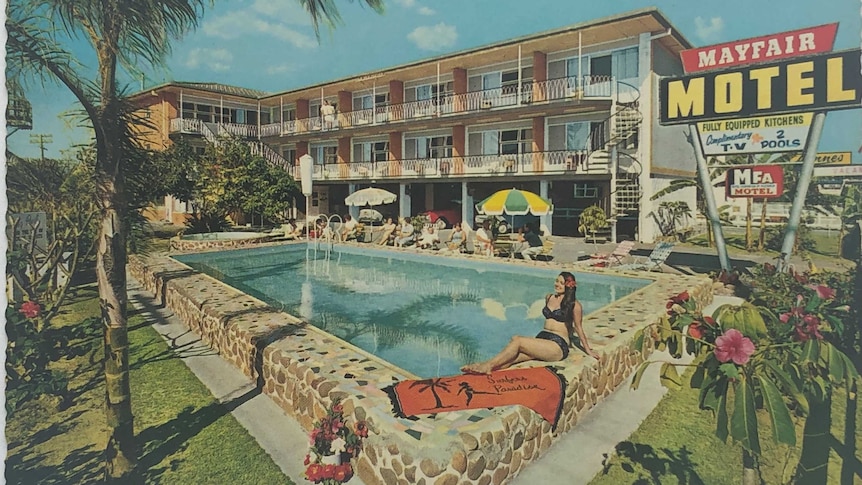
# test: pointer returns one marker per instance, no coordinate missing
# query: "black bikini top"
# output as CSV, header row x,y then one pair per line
x,y
557,314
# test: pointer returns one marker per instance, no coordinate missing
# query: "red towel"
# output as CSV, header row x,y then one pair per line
x,y
538,388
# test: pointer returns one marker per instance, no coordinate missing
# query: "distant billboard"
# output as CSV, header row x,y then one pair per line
x,y
828,81
828,158
761,181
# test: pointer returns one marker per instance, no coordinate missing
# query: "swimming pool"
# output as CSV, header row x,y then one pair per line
x,y
425,314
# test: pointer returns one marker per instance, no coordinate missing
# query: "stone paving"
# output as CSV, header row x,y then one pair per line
x,y
302,369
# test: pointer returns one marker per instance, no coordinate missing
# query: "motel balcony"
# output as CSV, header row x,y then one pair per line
x,y
526,164
586,88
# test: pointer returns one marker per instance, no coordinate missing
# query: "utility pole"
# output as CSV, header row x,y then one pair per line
x,y
41,139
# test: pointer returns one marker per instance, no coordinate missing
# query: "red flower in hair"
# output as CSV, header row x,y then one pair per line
x,y
570,282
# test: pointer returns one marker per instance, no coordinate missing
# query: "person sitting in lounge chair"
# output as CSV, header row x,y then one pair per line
x,y
406,234
429,238
457,239
530,243
350,228
388,231
483,242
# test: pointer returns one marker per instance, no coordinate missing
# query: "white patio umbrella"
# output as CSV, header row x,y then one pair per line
x,y
370,196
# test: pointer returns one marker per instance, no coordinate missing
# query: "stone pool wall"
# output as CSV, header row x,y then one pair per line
x,y
180,244
303,369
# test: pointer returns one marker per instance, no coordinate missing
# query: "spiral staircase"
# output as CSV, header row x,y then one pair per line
x,y
621,131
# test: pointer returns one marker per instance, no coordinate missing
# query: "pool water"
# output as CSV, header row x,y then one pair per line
x,y
425,314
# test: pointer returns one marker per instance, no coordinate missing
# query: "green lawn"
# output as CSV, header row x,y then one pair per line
x,y
186,436
676,444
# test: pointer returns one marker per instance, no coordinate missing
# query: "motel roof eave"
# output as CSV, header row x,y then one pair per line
x,y
675,42
210,87
617,26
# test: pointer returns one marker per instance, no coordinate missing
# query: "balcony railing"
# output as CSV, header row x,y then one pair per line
x,y
553,162
586,87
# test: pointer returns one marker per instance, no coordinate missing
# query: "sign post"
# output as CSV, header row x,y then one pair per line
x,y
709,199
804,181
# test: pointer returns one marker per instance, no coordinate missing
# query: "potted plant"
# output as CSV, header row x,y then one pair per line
x,y
592,219
333,443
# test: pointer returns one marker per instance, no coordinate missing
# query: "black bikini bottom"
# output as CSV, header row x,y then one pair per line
x,y
564,346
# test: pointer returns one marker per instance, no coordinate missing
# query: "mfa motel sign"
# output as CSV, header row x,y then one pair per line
x,y
822,82
761,181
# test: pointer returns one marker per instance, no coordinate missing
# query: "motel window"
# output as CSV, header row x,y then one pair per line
x,y
371,151
625,63
324,154
289,154
288,114
586,191
577,135
502,142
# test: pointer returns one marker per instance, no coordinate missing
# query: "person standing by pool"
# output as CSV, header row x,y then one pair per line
x,y
563,316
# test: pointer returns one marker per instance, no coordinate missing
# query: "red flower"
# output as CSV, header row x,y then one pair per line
x,y
337,408
361,429
695,331
328,471
733,346
681,298
30,309
307,460
570,282
823,292
314,472
343,472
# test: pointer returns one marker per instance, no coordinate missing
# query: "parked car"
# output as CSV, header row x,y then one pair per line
x,y
372,216
443,218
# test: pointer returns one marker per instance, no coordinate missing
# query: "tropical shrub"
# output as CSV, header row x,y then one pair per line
x,y
758,357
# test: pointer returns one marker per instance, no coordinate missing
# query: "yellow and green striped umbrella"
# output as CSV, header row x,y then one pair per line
x,y
514,202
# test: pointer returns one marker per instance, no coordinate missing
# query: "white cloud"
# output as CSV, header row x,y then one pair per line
x,y
287,11
213,59
708,30
426,11
280,69
434,38
246,23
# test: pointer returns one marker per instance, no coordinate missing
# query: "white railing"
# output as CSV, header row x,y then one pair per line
x,y
185,125
270,129
561,161
240,130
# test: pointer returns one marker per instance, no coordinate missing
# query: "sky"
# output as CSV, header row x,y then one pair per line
x,y
270,45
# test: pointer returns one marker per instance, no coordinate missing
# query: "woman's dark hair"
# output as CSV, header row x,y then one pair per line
x,y
568,302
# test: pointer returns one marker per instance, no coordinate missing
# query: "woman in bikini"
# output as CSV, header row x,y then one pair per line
x,y
563,315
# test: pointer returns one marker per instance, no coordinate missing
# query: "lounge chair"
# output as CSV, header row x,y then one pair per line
x,y
654,261
614,257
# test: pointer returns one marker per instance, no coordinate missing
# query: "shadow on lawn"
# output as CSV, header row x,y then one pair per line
x,y
84,465
665,462
166,439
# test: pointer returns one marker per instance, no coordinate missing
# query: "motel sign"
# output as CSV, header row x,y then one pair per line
x,y
822,82
761,181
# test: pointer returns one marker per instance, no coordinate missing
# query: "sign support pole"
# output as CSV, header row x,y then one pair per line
x,y
804,181
709,199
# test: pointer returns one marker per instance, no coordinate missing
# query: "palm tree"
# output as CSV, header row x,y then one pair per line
x,y
433,384
127,33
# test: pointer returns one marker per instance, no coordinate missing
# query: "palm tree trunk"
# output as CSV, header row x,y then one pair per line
x,y
761,240
848,465
816,442
749,239
121,452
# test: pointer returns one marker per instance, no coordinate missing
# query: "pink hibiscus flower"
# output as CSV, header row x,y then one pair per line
x,y
823,292
30,309
733,346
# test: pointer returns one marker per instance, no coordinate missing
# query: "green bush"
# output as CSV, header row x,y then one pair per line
x,y
775,238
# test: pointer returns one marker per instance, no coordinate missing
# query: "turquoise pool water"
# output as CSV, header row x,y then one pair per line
x,y
426,314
